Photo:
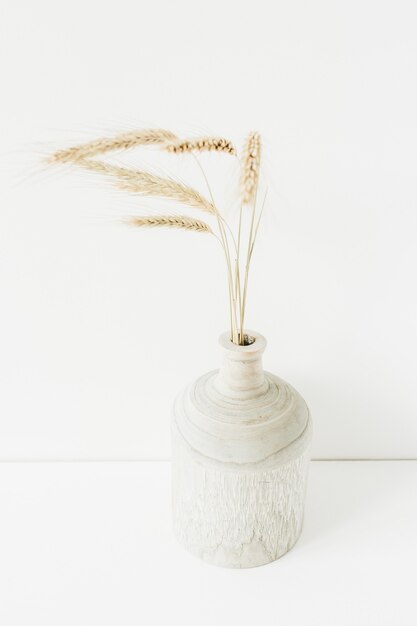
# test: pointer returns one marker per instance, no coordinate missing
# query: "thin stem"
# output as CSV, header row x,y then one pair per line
x,y
239,230
248,256
239,293
224,222
257,224
221,222
238,286
231,306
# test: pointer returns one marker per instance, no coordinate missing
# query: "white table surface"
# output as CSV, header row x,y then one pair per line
x,y
86,544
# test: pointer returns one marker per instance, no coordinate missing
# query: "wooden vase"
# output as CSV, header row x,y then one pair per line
x,y
240,455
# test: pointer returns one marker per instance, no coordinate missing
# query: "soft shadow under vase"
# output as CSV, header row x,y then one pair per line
x,y
240,455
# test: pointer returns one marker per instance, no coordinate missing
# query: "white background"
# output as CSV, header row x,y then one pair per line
x,y
101,326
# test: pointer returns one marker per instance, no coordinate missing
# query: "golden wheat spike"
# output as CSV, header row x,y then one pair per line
x,y
250,167
200,144
170,221
123,141
147,184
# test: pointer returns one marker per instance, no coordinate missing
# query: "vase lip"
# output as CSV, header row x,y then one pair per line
x,y
258,345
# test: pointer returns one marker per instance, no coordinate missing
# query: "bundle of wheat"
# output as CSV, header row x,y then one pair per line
x,y
148,184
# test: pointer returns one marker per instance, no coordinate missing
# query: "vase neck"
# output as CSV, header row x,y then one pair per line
x,y
241,374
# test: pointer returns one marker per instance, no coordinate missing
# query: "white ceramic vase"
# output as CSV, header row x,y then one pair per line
x,y
240,454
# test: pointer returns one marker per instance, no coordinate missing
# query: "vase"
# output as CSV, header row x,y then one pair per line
x,y
240,454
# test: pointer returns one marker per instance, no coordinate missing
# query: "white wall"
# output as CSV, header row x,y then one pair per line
x,y
101,326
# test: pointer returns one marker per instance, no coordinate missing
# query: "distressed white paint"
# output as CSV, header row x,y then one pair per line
x,y
240,439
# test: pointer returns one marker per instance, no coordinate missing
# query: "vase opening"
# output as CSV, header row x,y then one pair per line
x,y
248,340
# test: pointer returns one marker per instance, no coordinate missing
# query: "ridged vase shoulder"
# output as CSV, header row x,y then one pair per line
x,y
240,452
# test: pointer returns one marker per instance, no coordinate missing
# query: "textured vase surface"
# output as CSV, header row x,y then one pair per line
x,y
240,455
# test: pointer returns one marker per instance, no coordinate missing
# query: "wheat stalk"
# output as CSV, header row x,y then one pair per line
x,y
144,183
249,188
171,221
250,167
123,141
201,144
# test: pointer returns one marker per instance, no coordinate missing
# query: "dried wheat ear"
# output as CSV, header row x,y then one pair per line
x,y
216,144
123,141
250,168
170,221
145,183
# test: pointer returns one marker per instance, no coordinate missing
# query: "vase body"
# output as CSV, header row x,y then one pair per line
x,y
240,454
